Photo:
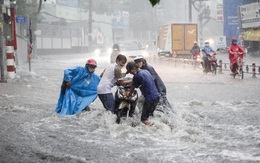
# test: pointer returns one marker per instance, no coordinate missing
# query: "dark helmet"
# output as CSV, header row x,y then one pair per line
x,y
234,41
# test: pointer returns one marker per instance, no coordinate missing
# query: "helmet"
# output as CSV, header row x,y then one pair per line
x,y
91,62
206,43
138,58
234,41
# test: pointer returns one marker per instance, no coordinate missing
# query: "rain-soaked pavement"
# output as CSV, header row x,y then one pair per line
x,y
217,119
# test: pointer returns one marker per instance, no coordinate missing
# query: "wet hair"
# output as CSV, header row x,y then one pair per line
x,y
121,57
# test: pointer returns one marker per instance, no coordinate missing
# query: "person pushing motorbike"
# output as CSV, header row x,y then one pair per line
x,y
143,80
235,52
163,104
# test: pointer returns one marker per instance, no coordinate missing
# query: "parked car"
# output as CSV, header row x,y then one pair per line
x,y
130,49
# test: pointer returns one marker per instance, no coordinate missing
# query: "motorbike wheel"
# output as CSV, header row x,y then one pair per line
x,y
233,75
207,69
241,73
214,69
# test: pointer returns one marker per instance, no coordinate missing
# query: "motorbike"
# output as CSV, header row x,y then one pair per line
x,y
210,65
124,105
197,57
237,68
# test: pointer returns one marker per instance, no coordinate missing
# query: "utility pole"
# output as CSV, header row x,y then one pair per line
x,y
190,11
90,27
203,13
1,44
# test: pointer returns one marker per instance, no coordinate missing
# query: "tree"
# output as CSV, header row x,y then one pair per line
x,y
154,2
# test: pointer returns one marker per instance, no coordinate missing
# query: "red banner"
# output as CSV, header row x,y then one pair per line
x,y
13,27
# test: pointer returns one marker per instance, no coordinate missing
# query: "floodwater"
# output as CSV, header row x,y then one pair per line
x,y
217,119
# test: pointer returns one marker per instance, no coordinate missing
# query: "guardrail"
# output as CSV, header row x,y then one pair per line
x,y
250,69
247,68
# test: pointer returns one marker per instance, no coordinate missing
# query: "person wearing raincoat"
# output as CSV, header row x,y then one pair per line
x,y
142,64
234,51
79,89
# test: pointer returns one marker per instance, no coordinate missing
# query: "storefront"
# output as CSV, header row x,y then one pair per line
x,y
251,41
250,25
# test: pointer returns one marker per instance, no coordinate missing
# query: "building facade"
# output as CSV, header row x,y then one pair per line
x,y
242,21
65,27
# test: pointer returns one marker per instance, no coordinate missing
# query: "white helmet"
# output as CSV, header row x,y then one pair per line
x,y
206,43
138,57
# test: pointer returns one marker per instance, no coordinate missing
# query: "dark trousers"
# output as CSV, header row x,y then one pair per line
x,y
148,108
108,101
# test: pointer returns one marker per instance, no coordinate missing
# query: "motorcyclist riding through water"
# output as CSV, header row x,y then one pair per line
x,y
235,52
195,51
206,53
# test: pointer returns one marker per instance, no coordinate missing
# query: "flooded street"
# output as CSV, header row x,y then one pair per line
x,y
217,119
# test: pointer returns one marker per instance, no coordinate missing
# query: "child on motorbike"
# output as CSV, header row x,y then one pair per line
x,y
144,81
235,52
206,50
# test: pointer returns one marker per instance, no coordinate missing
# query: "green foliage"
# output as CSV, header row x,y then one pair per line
x,y
7,18
27,9
154,2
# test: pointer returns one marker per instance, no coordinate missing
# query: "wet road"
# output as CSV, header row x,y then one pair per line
x,y
217,119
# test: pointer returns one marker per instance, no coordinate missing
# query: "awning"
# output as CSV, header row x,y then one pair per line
x,y
251,35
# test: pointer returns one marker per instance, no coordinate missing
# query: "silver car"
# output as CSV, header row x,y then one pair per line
x,y
130,49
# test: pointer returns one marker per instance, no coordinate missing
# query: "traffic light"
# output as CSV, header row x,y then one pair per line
x,y
7,18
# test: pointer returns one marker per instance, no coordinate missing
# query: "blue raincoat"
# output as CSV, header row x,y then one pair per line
x,y
81,93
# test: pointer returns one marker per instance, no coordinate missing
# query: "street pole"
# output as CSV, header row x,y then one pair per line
x,y
190,11
201,26
90,27
13,26
1,44
29,42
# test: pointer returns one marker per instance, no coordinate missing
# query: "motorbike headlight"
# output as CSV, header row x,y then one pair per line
x,y
145,53
97,51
